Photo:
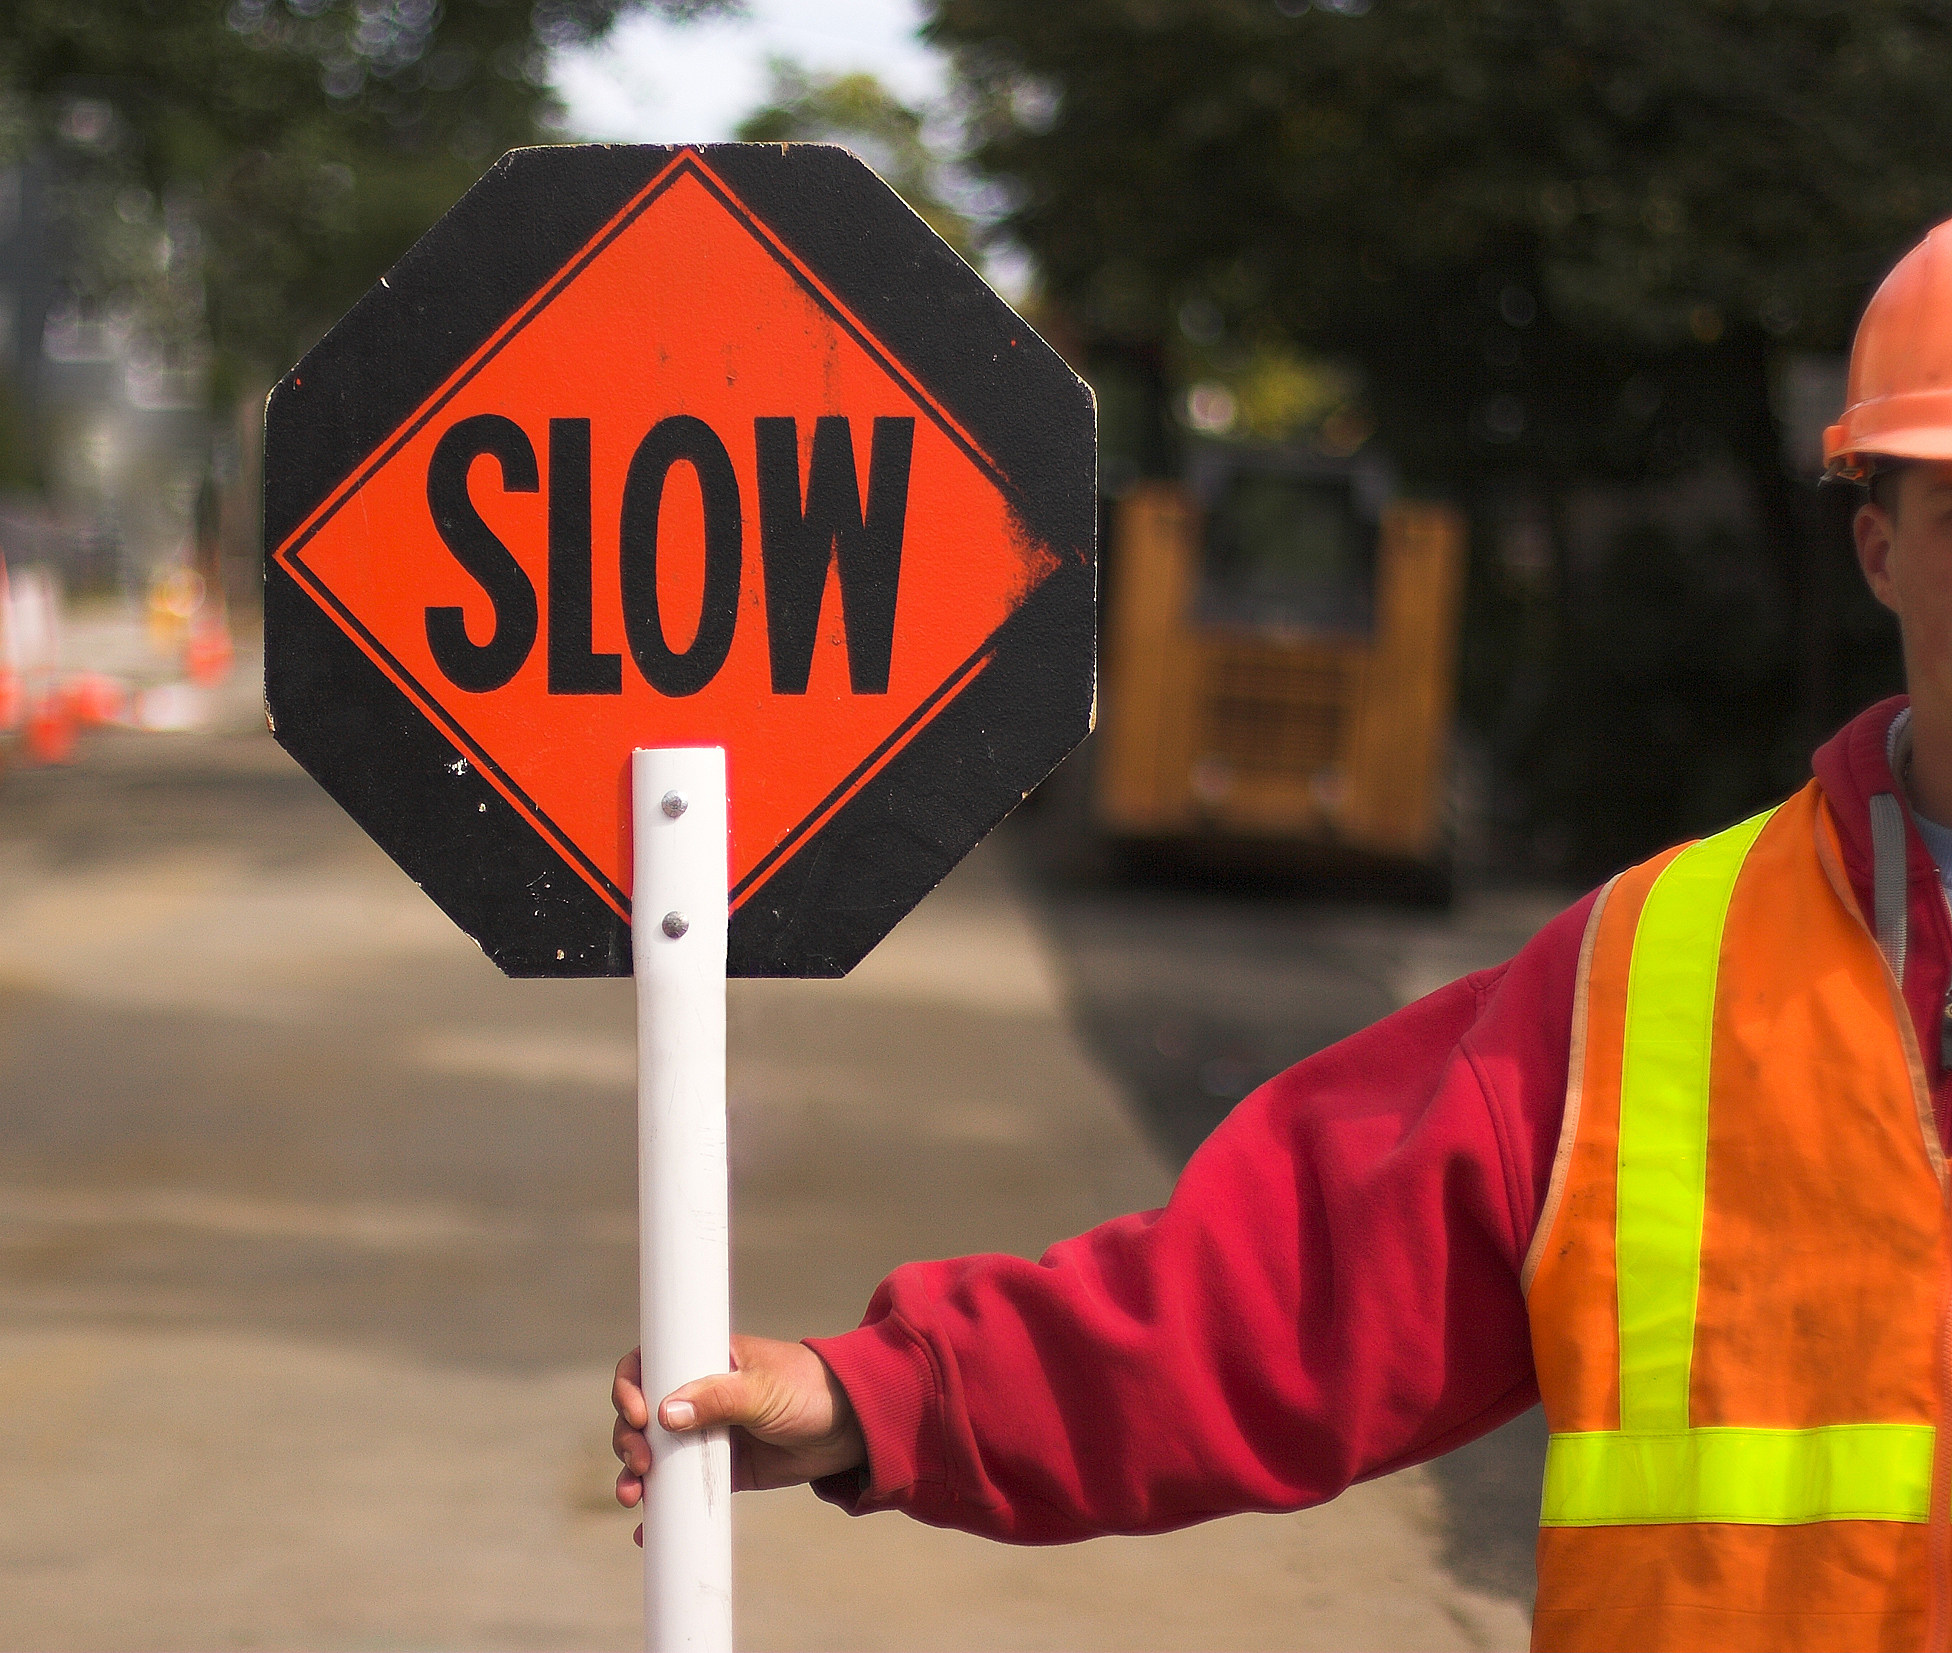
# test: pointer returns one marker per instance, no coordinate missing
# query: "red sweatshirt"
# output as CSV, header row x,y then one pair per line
x,y
1330,1294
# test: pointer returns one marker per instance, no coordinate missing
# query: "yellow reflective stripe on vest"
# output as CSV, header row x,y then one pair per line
x,y
1754,1477
1656,1469
1663,1172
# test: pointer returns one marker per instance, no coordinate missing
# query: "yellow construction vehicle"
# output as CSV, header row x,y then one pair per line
x,y
1278,665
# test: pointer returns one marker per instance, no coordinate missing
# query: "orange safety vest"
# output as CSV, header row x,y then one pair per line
x,y
1738,1286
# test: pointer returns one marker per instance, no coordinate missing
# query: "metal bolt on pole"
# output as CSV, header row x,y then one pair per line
x,y
678,830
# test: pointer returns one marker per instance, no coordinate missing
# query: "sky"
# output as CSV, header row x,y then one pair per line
x,y
651,81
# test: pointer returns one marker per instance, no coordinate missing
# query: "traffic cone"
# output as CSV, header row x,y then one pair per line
x,y
51,730
95,698
208,657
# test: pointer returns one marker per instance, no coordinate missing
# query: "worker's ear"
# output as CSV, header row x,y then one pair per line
x,y
1871,528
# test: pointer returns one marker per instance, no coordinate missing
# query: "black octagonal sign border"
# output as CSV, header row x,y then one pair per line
x,y
402,778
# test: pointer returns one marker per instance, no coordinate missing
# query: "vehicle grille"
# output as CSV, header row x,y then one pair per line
x,y
1273,716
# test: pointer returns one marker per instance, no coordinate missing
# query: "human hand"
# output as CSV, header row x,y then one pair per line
x,y
790,1419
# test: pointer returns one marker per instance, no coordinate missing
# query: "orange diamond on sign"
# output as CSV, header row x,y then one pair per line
x,y
681,497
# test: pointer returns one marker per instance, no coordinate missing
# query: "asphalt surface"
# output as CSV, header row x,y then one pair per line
x,y
155,1038
316,1235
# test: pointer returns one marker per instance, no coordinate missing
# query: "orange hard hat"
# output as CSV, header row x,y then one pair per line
x,y
1899,401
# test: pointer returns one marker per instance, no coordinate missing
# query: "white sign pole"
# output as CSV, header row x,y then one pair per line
x,y
678,922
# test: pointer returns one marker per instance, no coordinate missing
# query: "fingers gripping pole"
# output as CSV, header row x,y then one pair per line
x,y
678,921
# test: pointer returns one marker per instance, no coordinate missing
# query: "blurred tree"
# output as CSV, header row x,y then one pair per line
x,y
859,113
284,152
1557,241
19,463
1503,210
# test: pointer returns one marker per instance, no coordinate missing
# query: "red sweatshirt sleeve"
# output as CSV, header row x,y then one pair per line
x,y
1331,1293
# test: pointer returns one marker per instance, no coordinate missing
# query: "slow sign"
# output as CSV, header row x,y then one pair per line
x,y
653,447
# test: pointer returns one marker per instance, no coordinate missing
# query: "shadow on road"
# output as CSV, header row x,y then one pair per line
x,y
1490,1492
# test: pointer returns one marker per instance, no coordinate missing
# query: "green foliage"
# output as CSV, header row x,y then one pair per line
x,y
1675,651
1555,243
857,112
1272,393
304,143
1504,210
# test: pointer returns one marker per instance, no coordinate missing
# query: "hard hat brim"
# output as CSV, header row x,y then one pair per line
x,y
1853,454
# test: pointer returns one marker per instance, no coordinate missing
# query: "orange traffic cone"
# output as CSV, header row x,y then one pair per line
x,y
208,657
95,698
51,730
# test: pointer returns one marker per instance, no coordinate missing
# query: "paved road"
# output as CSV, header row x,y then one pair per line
x,y
316,1238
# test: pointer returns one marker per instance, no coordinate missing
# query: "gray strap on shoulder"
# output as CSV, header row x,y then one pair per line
x,y
1889,894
